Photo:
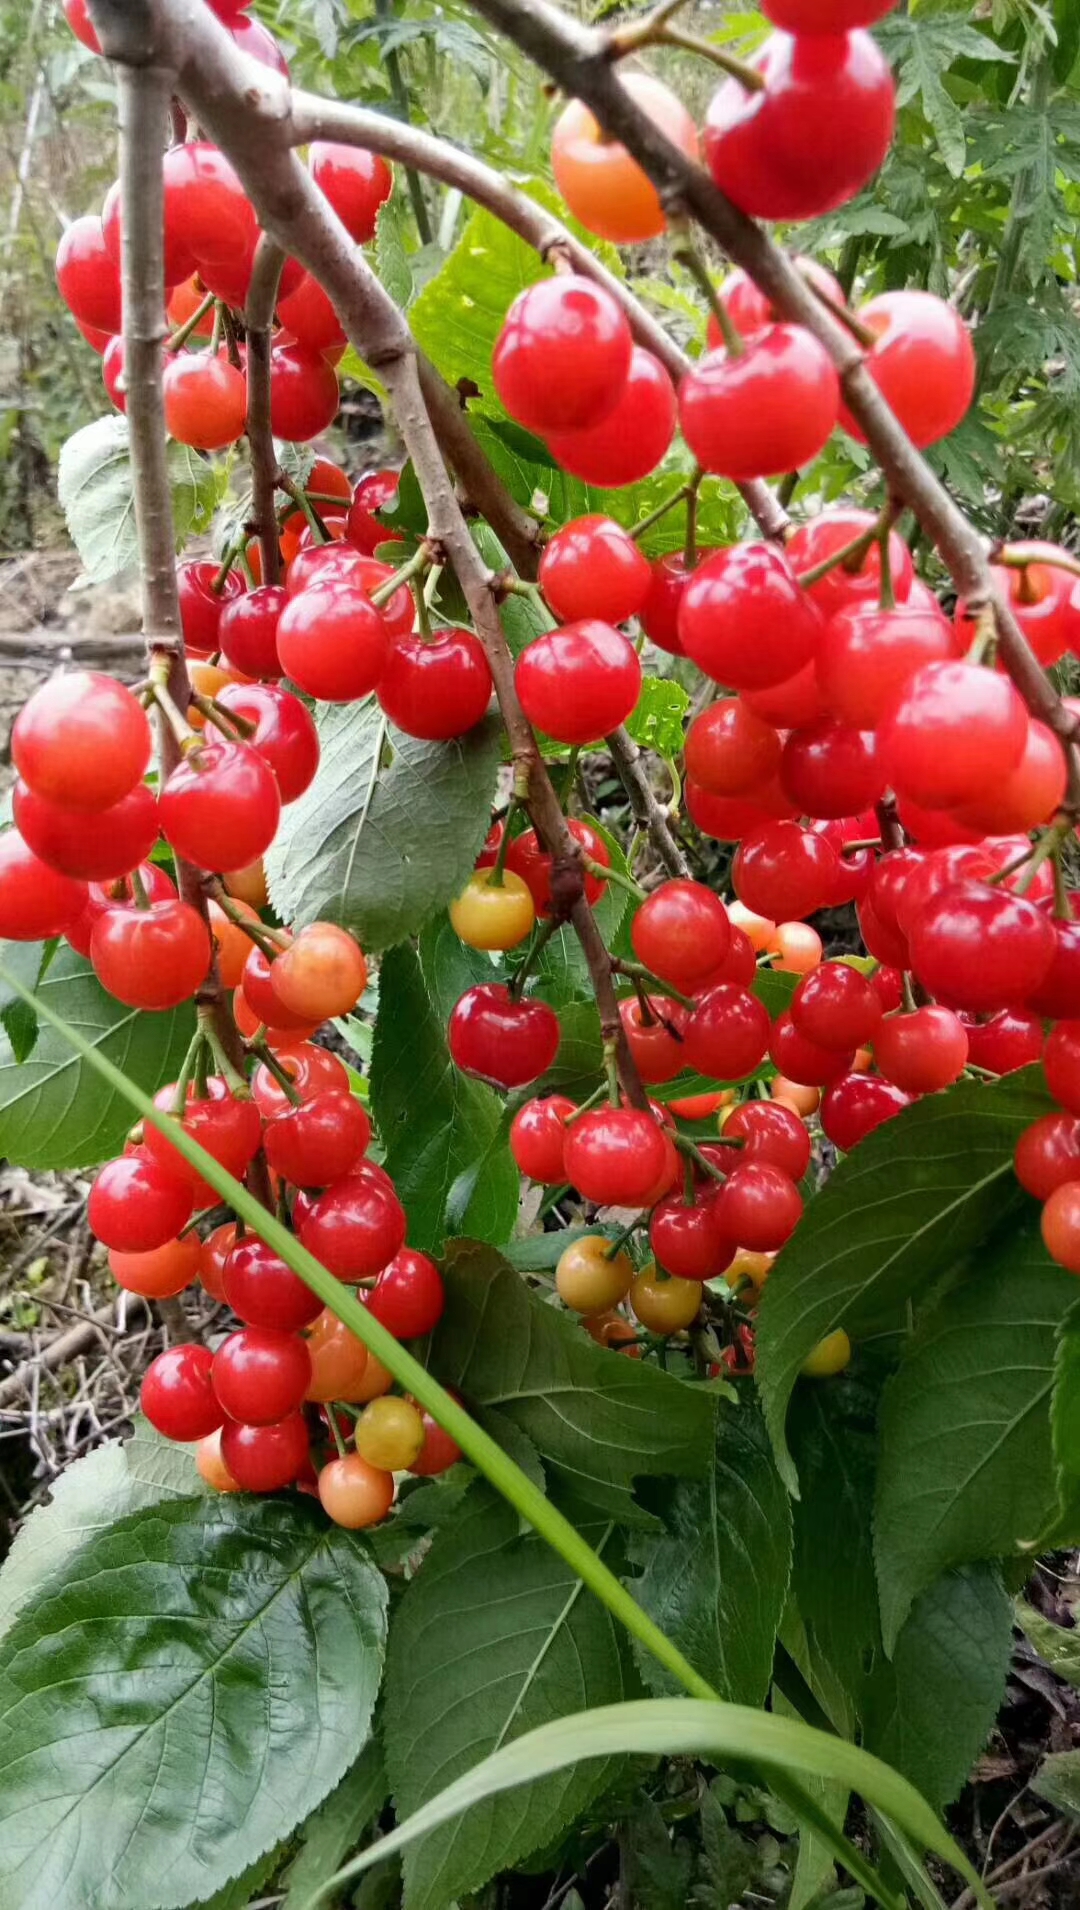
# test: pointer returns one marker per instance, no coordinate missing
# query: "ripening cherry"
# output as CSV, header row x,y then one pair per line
x,y
744,620
228,1127
759,1206
376,491
112,372
98,846
210,1465
981,948
665,1306
526,858
1062,1064
333,643
355,1494
1037,592
538,1135
853,1106
728,818
591,1276
771,1133
563,356
1048,1154
505,1041
321,974
203,595
206,208
436,687
177,1396
653,1029
617,1157
247,632
82,740
261,998
579,682
438,1453
856,580
829,1357
88,277
660,610
264,1292
836,1007
339,1363
220,806
356,1227
161,1273
604,188
1058,992
804,1061
1013,1038
681,932
831,770
739,965
797,950
1061,1226
319,1142
310,1071
355,182
954,730
750,309
867,656
730,751
205,401
493,915
633,439
408,1297
727,1035
831,97
770,409
687,1239
136,1204
922,1051
158,887
593,568
304,393
1028,795
923,363
152,958
793,704
36,900
783,871
265,1458
285,735
260,1375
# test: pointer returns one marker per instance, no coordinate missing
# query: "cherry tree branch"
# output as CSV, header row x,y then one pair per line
x,y
648,812
258,320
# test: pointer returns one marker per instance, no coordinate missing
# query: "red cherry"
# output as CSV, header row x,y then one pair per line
x,y
795,703
655,1042
855,1105
408,1296
831,97
681,932
688,1241
616,1156
505,1041
436,687
923,1051
87,275
1060,1226
833,530
727,818
1031,792
177,1396
593,568
825,16
660,610
112,372
923,363
438,1453
1059,990
333,642
136,1204
1038,594
265,1458
836,1007
252,38
356,1227
743,619
304,394
77,15
260,1375
804,1061
1062,1064
730,751
264,1292
179,262
954,730
94,847
205,401
538,1135
202,607
152,958
770,410
579,682
312,1071
727,1035
783,872
633,439
867,656
285,735
1048,1154
319,1142
228,1128
739,965
82,741
257,990
101,896
563,356
36,900
981,948
885,944
526,858
771,1133
1008,1040
750,309
831,770
376,491
160,1274
759,1207
247,632
854,868
220,806
356,183
309,316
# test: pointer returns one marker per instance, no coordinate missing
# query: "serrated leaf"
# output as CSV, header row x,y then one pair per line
x,y
657,722
94,486
1060,1648
966,1469
220,1661
1057,1781
487,1596
54,1110
391,252
599,1421
908,1202
715,1581
337,1826
389,830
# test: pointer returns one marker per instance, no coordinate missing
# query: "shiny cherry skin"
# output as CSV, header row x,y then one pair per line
x,y
308,315
604,188
815,134
981,948
285,735
252,38
98,846
759,1206
633,439
355,182
526,858
87,275
179,261
580,681
800,1060
1058,992
77,15
784,872
831,531
538,1137
664,1306
955,728
319,1142
1048,1154
265,1458
1060,1224
202,607
228,1128
772,1133
100,896
727,1035
825,16
247,633
923,363
743,619
617,1156
654,1038
856,1104
730,751
375,491
1029,795
220,807
136,1204
831,770
322,973
1037,592
355,1494
590,1278
438,1453
922,1051
312,1071
333,643
1062,1064
339,1362
262,1291
37,901
660,610
257,989
356,1227
739,966
206,208
688,1240
750,309
205,401
836,1007
177,1396
769,410
593,568
151,958
82,741
436,687
160,1274
681,932
868,655
493,915
304,393
507,1042
260,1375
408,1296
563,356
1013,1038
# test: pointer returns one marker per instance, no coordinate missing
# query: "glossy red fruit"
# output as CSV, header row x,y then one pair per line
x,y
832,531
793,704
265,1458
220,807
739,965
177,1396
160,1274
284,735
1008,1040
312,1071
1059,990
1060,1225
1028,795
769,410
101,896
538,1135
563,356
436,687
784,872
633,439
617,1156
260,1375
438,1453
309,316
831,770
804,1061
36,901
252,38
356,1227
82,740
770,1133
206,209
743,619
727,818
836,1007
112,372
151,958
304,394
319,1142
322,973
247,633
922,1051
93,847
526,858
867,656
375,491
1062,1064
603,186
205,401
228,1128
178,260
264,1292
77,15
660,611
923,363
1037,592
681,932
727,1035
854,1106
333,643
136,1204
257,989
579,682
654,1037
507,1042
688,1240
750,309
1048,1154
201,606
814,135
825,16
981,948
593,568
356,183
759,1207
88,277
955,728
408,1296
730,751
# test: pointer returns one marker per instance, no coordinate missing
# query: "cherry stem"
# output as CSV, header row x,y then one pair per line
x,y
327,497
232,556
864,333
688,255
604,873
669,504
331,1414
228,326
420,561
597,1095
910,1003
138,890
183,332
849,556
231,1075
690,539
645,1008
495,879
1062,904
187,1069
187,738
1020,560
616,1246
264,1053
303,502
654,30
637,972
541,938
269,941
886,595
1050,843
222,719
611,1071
699,1160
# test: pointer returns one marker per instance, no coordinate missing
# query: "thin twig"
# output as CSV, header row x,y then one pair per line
x,y
259,318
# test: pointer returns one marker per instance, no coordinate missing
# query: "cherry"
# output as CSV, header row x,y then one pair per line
x,y
665,1306
955,729
311,1071
727,1035
831,770
633,439
356,1227
593,568
77,15
161,1273
793,704
252,38
1010,1039
617,1157
1061,1226
1029,794
228,1128
285,735
82,741
321,974
1048,1154
867,656
687,1240
206,208
333,642
247,633
759,1206
804,1061
681,932
739,965
205,401
770,1133
825,16
220,806
1058,992
923,1051
981,948
750,309
184,301
408,1296
178,260
923,363
730,751
158,886
202,606
96,847
177,1396
309,316
137,1204
798,949
260,1375
304,394
112,372
853,1106
743,619
1062,1064
728,818
508,1042
1037,593
88,277
436,687
319,1142
769,410
655,1039
526,858
660,610
579,682
152,958
836,1007
602,185
783,871
813,543
563,356
264,1292
538,1135
355,182
260,995
438,1453
339,1362
493,915
830,96
854,868
265,1458
376,491
36,900
355,1494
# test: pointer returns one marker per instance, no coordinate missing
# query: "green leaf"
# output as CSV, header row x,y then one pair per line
x,y
494,1636
1065,1416
653,1869
17,1018
600,1421
389,830
716,1580
391,252
1060,1648
907,1203
337,1826
657,722
443,1132
930,1710
94,486
219,1662
54,1110
1057,1781
966,1469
